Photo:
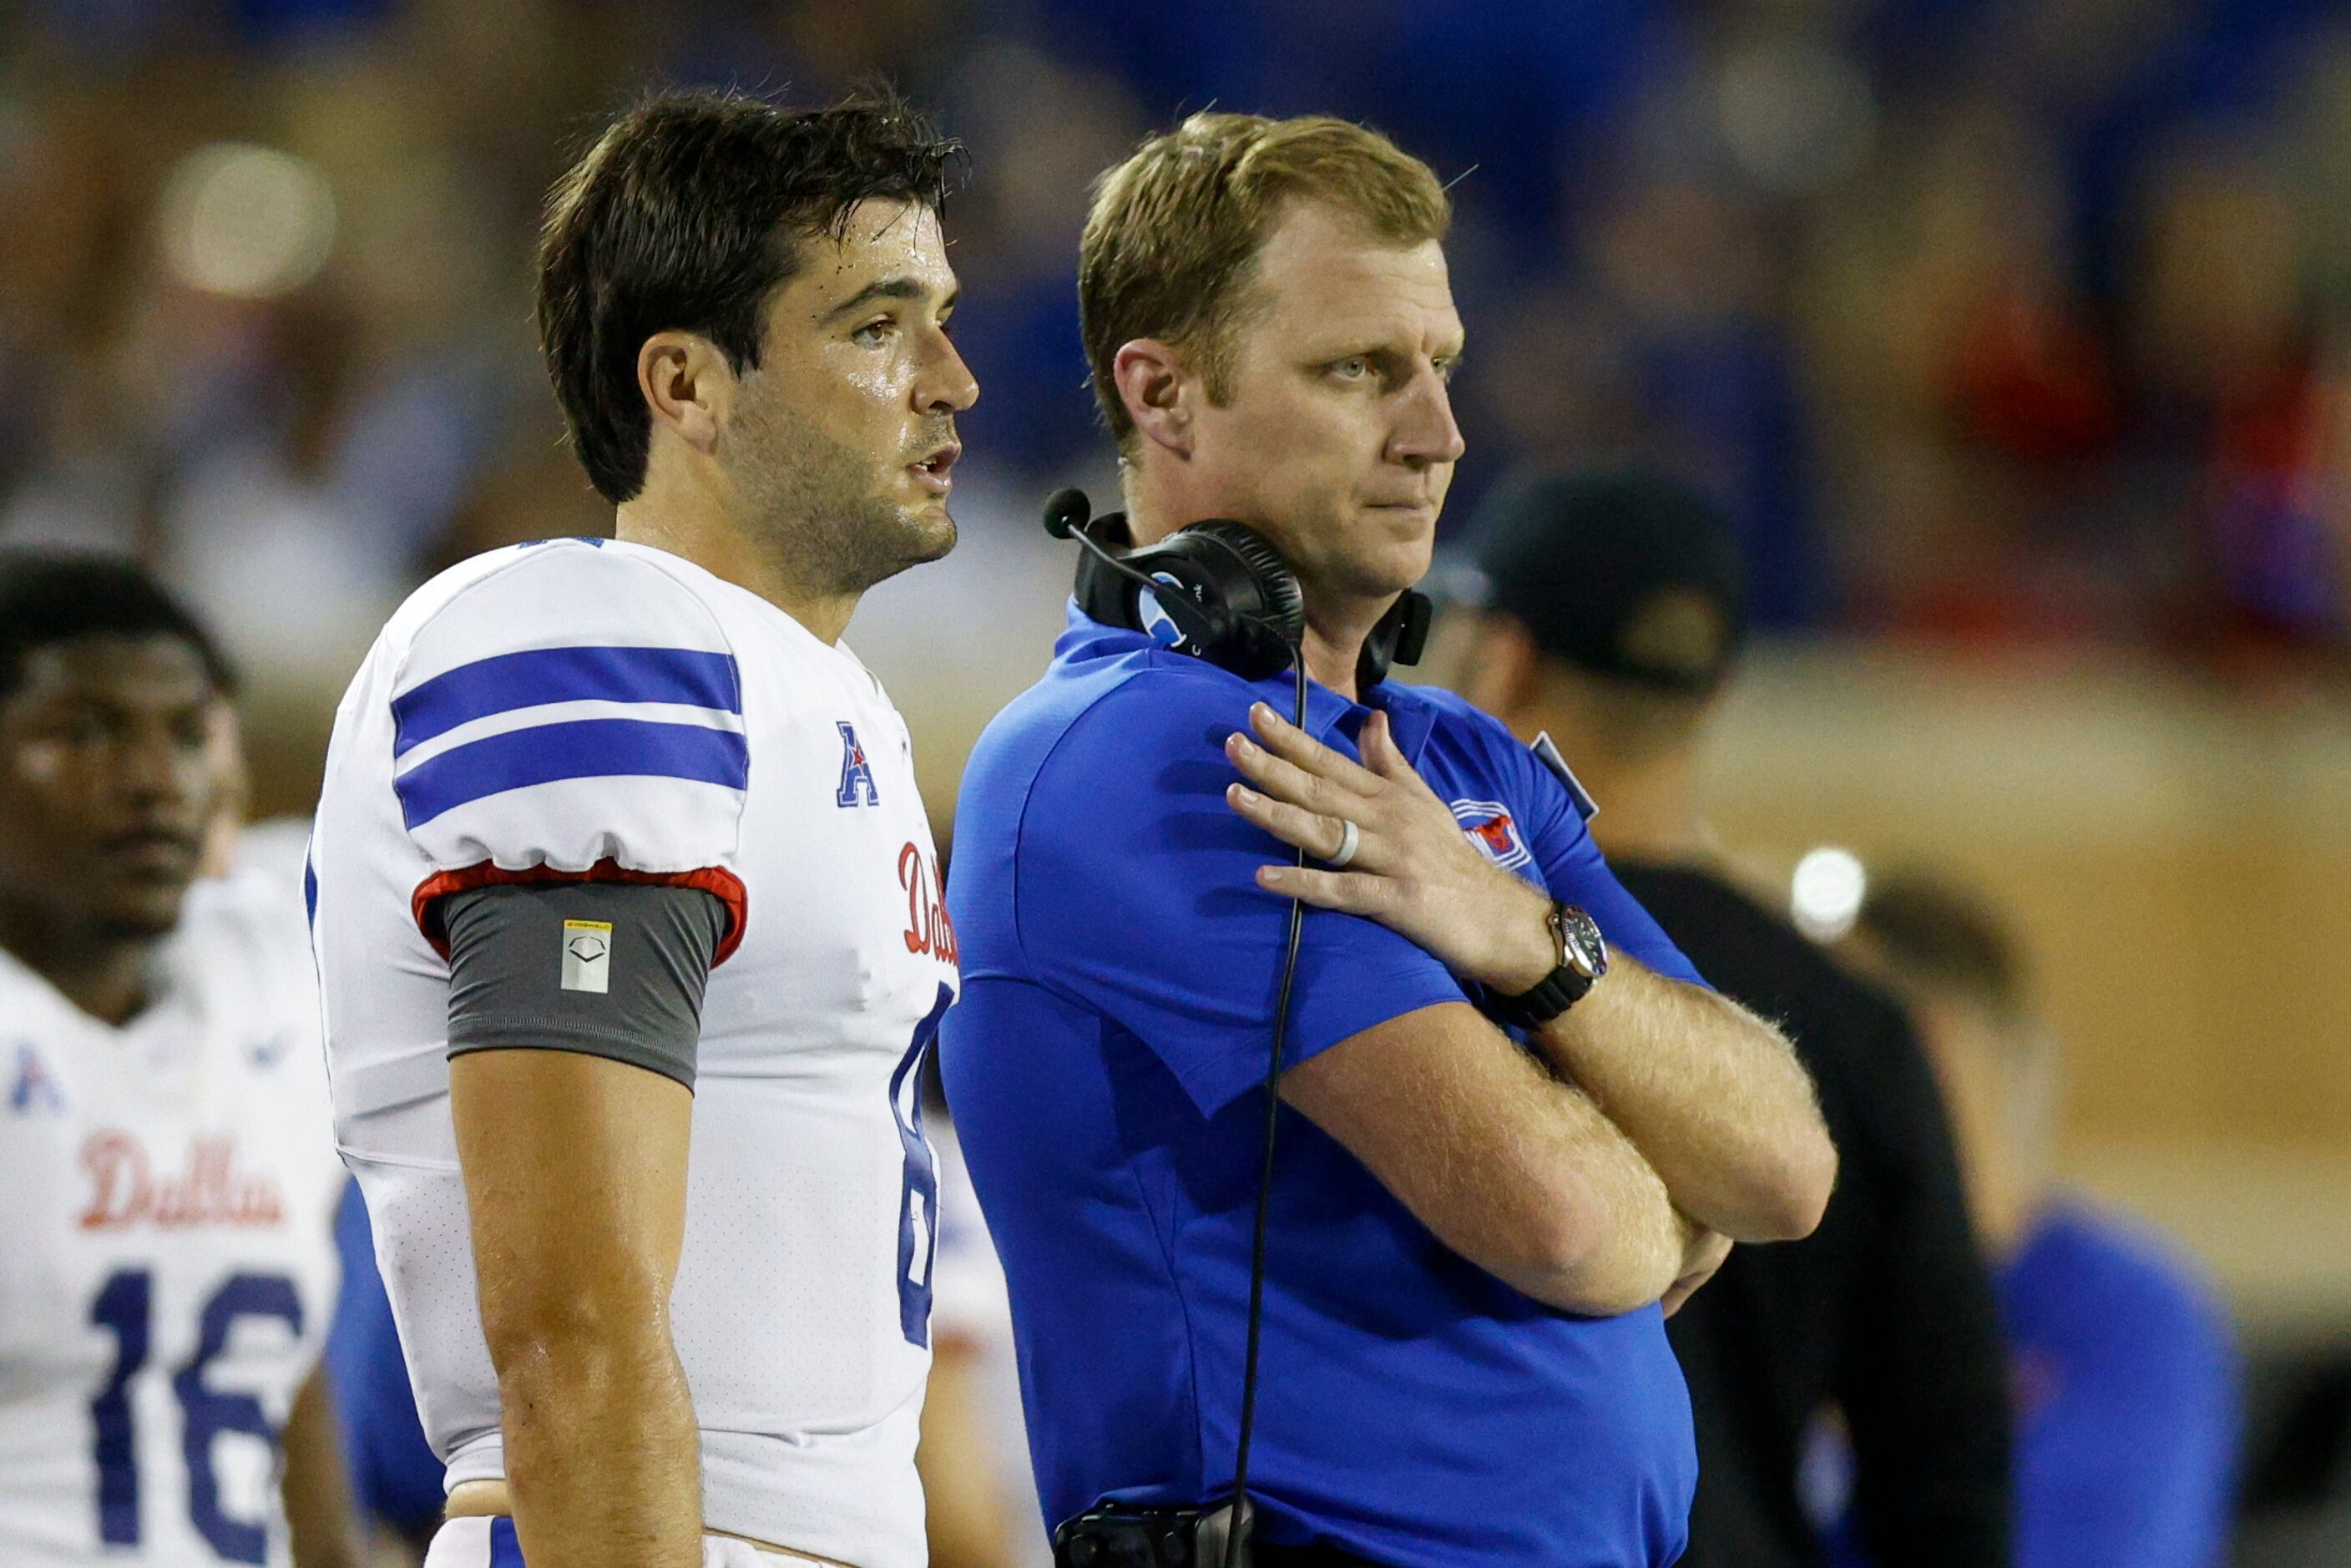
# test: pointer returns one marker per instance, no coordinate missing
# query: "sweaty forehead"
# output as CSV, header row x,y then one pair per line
x,y
884,239
1325,278
160,671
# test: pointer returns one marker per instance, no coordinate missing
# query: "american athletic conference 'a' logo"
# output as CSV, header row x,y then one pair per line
x,y
856,773
1489,825
33,1088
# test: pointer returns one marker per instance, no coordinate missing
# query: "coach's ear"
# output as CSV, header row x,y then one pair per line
x,y
1152,383
688,386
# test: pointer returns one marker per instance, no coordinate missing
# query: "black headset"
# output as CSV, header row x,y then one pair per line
x,y
1218,590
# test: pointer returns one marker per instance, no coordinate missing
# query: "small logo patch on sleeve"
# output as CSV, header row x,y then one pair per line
x,y
588,955
1547,753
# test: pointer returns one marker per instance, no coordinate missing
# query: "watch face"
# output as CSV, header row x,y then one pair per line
x,y
1587,950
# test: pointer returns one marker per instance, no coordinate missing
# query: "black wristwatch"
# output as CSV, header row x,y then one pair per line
x,y
1583,959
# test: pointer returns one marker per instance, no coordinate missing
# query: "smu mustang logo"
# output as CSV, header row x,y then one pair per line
x,y
856,773
1489,825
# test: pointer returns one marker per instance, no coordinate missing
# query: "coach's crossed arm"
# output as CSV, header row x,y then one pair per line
x,y
1513,1169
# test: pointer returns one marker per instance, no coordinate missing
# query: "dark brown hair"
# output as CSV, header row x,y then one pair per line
x,y
685,215
58,596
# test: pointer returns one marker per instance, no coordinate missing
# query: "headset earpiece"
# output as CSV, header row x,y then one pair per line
x,y
1151,590
1105,589
1236,574
1398,639
1218,589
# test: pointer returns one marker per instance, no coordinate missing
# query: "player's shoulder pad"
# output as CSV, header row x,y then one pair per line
x,y
567,703
551,593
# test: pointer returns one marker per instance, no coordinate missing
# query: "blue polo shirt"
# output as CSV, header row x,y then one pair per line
x,y
1120,967
2129,1393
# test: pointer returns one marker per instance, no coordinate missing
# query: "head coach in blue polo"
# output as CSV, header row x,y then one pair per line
x,y
1514,1120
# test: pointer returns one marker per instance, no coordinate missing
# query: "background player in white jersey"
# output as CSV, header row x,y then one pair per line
x,y
167,1182
629,919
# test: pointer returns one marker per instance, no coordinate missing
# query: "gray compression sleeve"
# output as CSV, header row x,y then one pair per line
x,y
613,969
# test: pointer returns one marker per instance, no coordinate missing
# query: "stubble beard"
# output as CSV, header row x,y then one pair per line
x,y
814,508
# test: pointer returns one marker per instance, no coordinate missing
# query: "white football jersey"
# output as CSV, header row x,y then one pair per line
x,y
580,707
167,1194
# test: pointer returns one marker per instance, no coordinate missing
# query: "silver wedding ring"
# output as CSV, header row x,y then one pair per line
x,y
1351,838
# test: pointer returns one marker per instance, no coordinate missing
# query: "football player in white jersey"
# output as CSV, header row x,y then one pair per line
x,y
167,1177
628,920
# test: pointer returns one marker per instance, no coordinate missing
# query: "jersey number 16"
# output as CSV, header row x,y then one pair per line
x,y
125,1307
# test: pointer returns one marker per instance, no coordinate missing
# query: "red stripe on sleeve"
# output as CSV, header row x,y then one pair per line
x,y
722,885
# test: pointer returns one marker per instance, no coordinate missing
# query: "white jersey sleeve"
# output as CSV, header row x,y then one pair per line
x,y
576,713
565,710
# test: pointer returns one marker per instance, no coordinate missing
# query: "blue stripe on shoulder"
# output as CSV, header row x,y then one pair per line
x,y
508,681
583,748
506,1552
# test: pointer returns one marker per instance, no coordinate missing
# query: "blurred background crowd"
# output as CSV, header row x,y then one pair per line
x,y
2015,337
1993,322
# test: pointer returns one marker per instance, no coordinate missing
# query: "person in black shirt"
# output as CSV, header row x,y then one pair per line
x,y
1612,616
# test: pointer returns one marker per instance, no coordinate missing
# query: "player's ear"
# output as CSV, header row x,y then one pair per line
x,y
1152,384
688,386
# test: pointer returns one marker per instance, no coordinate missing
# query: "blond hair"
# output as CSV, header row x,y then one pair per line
x,y
1172,243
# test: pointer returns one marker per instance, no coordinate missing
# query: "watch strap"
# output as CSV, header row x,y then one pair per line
x,y
1552,995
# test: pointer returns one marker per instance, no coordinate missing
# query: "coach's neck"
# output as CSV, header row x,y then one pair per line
x,y
1337,623
688,509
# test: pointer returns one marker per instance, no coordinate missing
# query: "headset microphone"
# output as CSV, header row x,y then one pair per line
x,y
1066,512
